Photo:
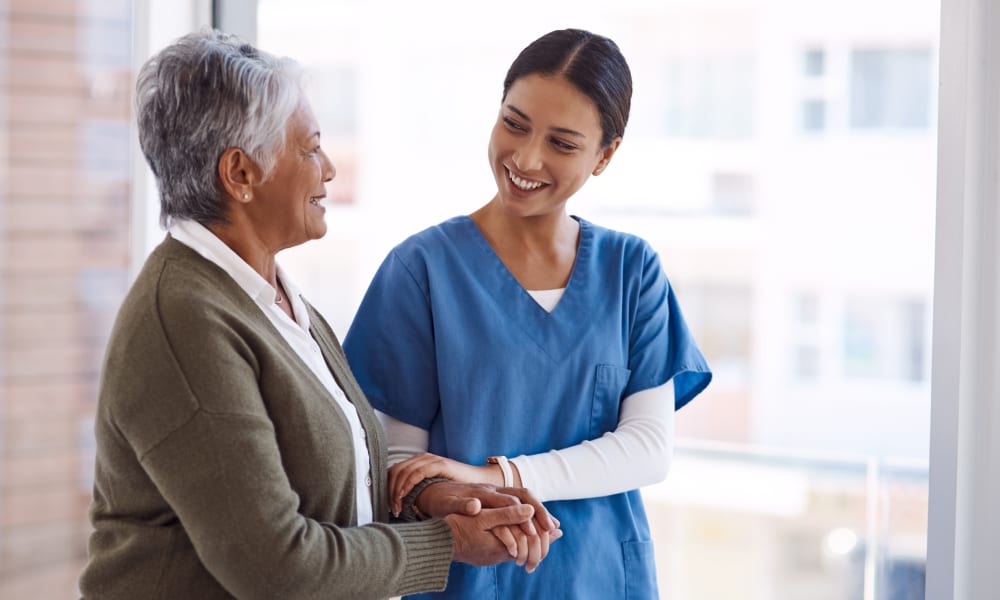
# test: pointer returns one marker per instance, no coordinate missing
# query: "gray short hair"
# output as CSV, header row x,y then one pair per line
x,y
207,92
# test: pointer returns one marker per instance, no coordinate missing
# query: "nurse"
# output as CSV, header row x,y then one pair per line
x,y
521,345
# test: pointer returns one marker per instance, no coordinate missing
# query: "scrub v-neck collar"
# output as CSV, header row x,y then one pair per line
x,y
555,333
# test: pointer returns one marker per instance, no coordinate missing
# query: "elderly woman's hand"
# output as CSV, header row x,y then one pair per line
x,y
474,542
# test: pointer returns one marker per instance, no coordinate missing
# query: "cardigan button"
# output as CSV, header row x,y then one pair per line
x,y
368,480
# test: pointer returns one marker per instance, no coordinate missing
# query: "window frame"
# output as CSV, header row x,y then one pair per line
x,y
964,481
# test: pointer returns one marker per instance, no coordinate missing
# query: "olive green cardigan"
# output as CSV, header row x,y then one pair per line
x,y
224,468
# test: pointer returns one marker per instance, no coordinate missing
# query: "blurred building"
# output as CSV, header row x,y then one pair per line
x,y
65,87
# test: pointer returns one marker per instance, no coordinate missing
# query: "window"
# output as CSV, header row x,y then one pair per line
x,y
885,338
64,256
807,308
723,314
733,193
807,326
710,96
814,62
708,138
334,90
806,362
891,88
813,115
732,115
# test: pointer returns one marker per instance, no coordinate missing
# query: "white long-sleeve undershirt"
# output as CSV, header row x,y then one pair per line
x,y
637,453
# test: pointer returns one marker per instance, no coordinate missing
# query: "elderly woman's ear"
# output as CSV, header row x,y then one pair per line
x,y
237,174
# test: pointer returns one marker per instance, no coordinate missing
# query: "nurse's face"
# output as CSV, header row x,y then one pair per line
x,y
545,144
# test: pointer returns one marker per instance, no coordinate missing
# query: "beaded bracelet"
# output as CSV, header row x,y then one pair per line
x,y
410,511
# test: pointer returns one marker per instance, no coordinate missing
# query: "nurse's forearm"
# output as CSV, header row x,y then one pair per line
x,y
635,454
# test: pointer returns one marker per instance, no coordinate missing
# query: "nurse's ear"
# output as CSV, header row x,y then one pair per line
x,y
605,155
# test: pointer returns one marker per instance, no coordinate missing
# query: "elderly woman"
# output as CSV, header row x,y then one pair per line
x,y
236,454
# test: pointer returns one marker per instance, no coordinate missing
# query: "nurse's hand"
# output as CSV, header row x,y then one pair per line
x,y
450,497
408,473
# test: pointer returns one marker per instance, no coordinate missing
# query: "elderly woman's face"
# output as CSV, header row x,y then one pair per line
x,y
288,203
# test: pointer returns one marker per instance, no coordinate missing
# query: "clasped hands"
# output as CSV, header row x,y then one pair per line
x,y
490,524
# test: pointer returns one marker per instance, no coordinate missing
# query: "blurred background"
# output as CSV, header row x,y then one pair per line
x,y
780,156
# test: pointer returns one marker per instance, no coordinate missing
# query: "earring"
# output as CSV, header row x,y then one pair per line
x,y
246,196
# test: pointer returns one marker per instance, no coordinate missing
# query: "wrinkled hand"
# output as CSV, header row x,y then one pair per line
x,y
408,473
526,541
475,543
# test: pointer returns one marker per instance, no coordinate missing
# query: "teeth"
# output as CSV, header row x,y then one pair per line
x,y
314,201
524,184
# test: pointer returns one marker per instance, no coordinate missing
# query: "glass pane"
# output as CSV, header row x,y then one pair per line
x,y
814,62
755,163
786,526
66,72
891,88
813,115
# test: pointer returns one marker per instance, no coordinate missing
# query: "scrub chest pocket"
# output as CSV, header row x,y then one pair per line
x,y
609,384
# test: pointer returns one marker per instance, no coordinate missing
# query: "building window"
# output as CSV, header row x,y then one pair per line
x,y
806,330
806,362
915,327
333,93
891,88
807,308
814,63
813,115
884,338
732,193
710,96
721,316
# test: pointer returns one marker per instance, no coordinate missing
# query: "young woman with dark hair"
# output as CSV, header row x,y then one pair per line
x,y
520,345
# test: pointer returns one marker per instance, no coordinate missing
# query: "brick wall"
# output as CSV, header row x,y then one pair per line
x,y
65,82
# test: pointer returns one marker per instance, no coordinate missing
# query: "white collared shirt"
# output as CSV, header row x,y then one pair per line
x,y
296,333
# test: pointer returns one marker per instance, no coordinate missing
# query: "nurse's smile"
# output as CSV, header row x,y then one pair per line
x,y
523,185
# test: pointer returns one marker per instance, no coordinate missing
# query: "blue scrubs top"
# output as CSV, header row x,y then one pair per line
x,y
446,339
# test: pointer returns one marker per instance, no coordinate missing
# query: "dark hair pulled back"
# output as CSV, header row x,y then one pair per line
x,y
592,63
